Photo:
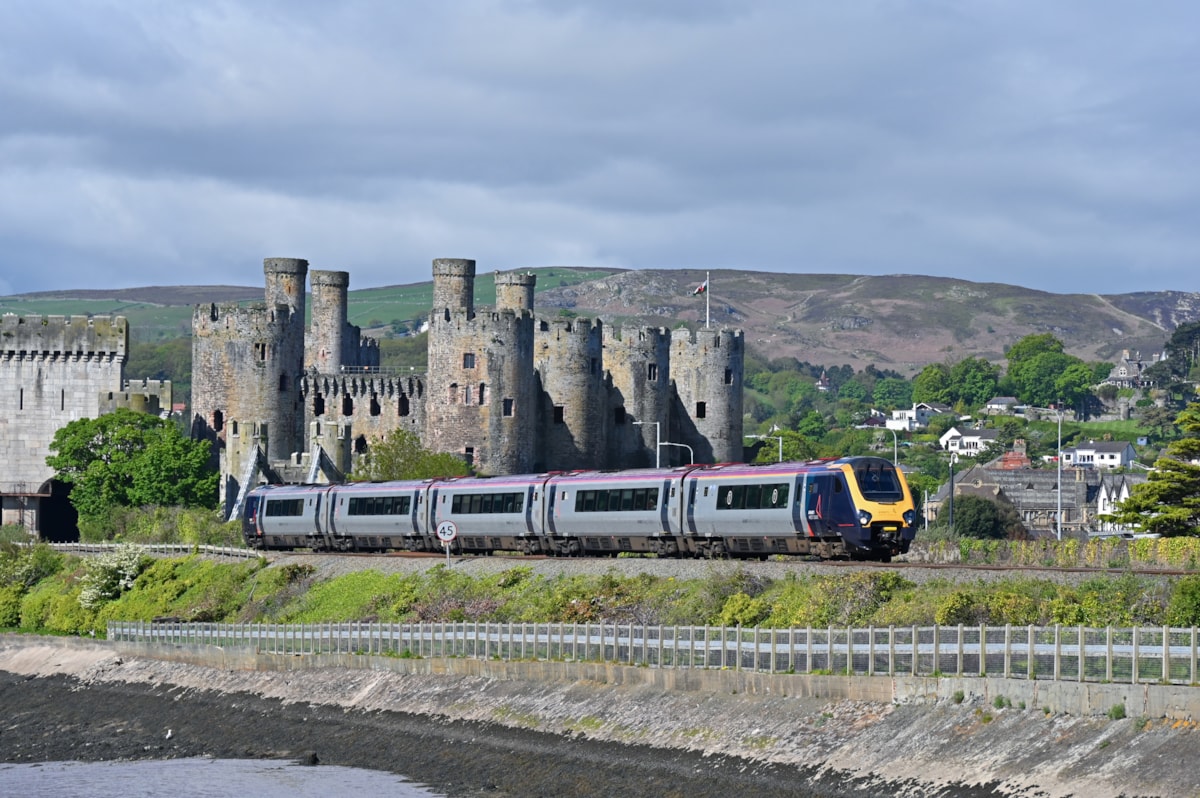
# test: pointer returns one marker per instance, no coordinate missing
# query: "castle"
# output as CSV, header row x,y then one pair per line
x,y
506,390
58,369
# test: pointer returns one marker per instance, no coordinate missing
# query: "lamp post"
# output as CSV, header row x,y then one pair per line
x,y
657,444
691,454
953,460
764,437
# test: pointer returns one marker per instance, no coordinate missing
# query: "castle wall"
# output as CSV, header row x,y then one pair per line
x,y
514,291
55,370
574,425
327,333
345,412
638,360
706,369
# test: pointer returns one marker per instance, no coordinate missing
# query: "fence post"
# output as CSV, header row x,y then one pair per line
x,y
1081,652
1029,662
891,650
1192,657
1166,655
937,649
1057,652
1108,659
982,650
960,650
1007,651
916,652
870,650
1135,655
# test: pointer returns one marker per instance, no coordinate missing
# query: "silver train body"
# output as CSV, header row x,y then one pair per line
x,y
857,507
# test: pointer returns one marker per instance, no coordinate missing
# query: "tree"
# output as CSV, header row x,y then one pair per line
x,y
795,447
979,517
973,381
130,459
893,392
933,384
401,456
1161,420
1168,503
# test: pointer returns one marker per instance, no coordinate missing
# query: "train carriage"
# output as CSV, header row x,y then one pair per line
x,y
285,517
378,516
491,513
607,512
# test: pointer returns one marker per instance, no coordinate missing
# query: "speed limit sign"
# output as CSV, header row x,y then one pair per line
x,y
447,531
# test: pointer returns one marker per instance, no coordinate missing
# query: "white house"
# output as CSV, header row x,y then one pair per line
x,y
917,418
968,442
1000,405
1100,454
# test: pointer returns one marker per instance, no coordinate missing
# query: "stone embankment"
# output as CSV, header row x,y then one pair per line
x,y
480,727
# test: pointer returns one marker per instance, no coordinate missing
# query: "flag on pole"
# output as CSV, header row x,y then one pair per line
x,y
700,289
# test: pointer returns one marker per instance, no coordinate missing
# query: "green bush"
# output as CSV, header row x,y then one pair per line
x,y
1117,712
10,606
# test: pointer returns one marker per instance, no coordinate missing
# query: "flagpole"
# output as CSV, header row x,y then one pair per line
x,y
707,294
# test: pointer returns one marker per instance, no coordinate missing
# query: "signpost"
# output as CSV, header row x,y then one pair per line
x,y
447,532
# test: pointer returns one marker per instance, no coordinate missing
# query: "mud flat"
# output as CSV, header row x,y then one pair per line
x,y
472,734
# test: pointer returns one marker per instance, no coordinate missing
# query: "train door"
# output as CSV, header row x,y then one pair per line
x,y
827,505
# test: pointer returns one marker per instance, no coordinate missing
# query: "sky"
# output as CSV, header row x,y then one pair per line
x,y
1048,144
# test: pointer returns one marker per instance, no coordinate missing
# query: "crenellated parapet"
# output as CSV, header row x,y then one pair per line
x,y
514,291
64,335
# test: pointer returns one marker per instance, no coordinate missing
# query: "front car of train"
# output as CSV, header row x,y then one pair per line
x,y
886,512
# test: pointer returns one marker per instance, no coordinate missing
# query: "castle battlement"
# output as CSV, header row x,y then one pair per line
x,y
56,335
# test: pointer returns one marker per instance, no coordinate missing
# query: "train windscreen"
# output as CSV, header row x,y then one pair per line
x,y
878,482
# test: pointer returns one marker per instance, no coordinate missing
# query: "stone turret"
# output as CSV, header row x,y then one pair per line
x,y
706,369
514,291
569,357
327,339
453,287
639,363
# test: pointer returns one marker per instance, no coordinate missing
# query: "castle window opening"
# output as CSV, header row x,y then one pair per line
x,y
558,414
347,405
283,382
508,407
318,405
545,326
21,399
729,376
233,428
375,405
360,444
403,405
701,409
652,372
469,455
619,415
483,393
454,393
218,421
62,399
466,394
260,352
468,360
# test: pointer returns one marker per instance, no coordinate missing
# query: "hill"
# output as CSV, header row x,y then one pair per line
x,y
901,322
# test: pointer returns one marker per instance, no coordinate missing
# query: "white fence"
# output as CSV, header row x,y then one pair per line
x,y
1137,655
160,549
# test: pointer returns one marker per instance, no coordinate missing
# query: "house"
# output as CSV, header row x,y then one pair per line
x,y
1083,496
969,442
1100,454
1000,405
917,418
1130,370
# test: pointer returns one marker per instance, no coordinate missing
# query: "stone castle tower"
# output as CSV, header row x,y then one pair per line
x,y
505,390
58,369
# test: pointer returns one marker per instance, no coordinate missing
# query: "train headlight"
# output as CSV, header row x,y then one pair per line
x,y
864,518
910,517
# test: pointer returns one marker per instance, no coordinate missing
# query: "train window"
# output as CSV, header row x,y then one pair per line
x,y
480,503
626,500
878,483
284,507
379,505
752,497
616,500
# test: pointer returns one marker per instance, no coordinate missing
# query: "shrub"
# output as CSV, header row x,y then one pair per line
x,y
1117,712
111,574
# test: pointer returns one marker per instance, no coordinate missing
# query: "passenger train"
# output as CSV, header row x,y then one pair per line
x,y
856,507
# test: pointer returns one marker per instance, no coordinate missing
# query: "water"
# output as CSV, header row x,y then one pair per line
x,y
199,778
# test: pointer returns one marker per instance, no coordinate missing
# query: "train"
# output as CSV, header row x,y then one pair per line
x,y
849,508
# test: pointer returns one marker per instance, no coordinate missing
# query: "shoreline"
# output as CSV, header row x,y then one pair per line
x,y
472,735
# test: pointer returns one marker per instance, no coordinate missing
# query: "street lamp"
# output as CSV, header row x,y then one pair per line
x,y
657,444
691,454
953,460
764,437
